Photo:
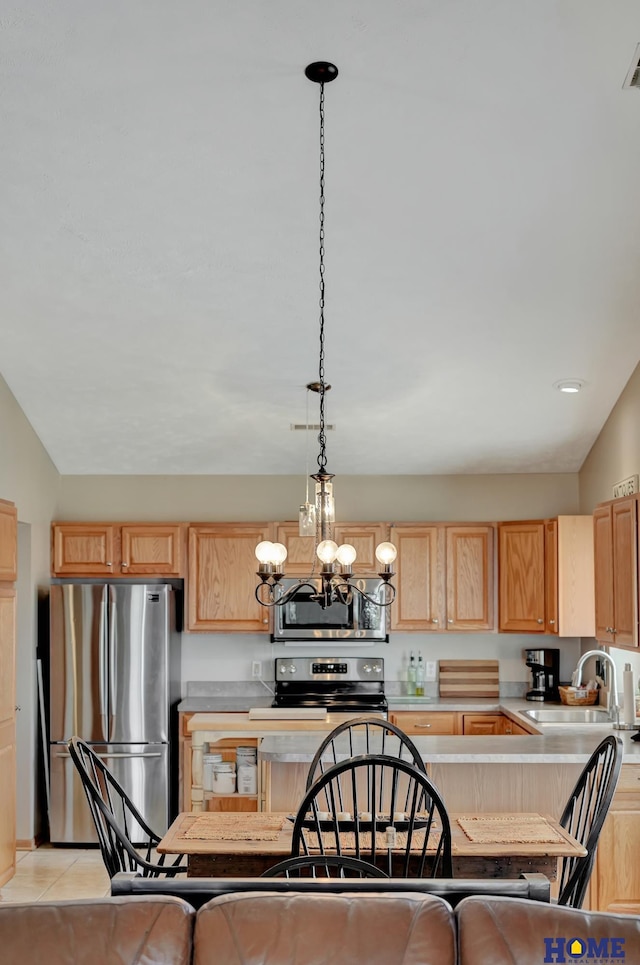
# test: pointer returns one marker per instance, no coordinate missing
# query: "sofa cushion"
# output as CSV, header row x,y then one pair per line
x,y
304,929
97,931
501,931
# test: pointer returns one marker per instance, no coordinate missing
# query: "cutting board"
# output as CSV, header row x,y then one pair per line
x,y
469,678
286,713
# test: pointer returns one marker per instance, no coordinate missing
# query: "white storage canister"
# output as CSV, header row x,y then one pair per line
x,y
208,760
247,779
246,755
224,777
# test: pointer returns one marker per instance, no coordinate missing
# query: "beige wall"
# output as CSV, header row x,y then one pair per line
x,y
434,498
615,454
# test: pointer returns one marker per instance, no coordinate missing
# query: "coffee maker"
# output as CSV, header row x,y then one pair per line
x,y
544,665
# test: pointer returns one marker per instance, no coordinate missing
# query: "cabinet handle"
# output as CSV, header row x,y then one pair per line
x,y
449,621
433,620
552,622
539,620
613,630
423,725
109,563
123,565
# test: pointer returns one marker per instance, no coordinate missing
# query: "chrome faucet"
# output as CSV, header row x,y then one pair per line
x,y
576,678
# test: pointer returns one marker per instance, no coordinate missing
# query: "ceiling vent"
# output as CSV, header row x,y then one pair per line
x,y
633,75
302,426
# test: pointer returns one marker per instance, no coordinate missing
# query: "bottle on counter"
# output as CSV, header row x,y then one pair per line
x,y
411,676
420,676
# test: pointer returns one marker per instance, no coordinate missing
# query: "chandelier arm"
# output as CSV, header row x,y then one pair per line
x,y
279,599
388,589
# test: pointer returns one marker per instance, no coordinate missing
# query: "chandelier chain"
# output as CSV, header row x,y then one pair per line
x,y
322,439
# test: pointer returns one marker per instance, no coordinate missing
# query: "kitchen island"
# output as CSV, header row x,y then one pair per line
x,y
519,773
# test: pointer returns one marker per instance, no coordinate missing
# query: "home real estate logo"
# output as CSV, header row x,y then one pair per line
x,y
584,951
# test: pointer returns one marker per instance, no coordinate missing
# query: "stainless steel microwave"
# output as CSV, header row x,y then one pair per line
x,y
301,620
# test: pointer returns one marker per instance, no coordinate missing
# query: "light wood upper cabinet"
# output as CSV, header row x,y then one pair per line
x,y
146,549
118,549
419,579
222,578
470,577
444,577
546,576
615,534
521,580
8,542
7,734
364,537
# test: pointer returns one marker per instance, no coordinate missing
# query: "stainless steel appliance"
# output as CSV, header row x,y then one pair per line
x,y
115,682
544,665
341,684
357,623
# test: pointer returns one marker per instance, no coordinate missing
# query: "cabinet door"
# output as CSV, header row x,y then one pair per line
x,y
300,549
151,549
482,724
222,578
615,884
603,566
470,577
83,549
419,580
8,542
521,581
7,734
364,537
425,722
551,575
625,573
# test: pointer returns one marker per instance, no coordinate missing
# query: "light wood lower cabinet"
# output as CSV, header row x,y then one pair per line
x,y
615,882
483,724
425,723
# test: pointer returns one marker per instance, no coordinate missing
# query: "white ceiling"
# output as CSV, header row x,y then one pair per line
x,y
158,237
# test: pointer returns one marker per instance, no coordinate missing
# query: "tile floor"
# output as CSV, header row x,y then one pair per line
x,y
51,874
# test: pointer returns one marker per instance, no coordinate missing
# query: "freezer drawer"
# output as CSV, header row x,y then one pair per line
x,y
143,771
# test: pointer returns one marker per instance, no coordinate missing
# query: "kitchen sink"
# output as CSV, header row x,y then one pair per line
x,y
570,715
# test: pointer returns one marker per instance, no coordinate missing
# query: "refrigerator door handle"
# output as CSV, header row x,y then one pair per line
x,y
105,757
103,671
112,661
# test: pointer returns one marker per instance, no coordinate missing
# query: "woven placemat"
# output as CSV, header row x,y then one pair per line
x,y
510,829
244,826
348,840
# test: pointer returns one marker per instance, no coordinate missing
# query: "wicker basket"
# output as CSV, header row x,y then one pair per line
x,y
579,698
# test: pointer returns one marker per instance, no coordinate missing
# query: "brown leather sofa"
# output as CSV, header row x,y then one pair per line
x,y
306,929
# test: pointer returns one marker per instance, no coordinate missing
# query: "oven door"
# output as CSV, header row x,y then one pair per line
x,y
302,619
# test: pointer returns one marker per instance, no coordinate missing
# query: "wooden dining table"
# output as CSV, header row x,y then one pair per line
x,y
245,844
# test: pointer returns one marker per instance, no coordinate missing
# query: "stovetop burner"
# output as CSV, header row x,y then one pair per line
x,y
342,685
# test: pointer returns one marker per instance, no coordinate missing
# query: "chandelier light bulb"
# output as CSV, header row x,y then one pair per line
x,y
278,553
346,554
386,553
264,551
327,551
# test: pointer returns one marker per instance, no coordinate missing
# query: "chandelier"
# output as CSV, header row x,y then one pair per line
x,y
334,582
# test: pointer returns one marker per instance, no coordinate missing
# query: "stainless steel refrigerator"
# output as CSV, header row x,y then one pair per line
x,y
114,675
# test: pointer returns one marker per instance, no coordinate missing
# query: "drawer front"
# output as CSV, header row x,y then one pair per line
x,y
426,723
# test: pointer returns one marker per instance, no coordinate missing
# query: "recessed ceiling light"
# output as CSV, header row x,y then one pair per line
x,y
568,385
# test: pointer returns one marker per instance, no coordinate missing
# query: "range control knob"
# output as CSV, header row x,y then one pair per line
x,y
377,668
367,668
292,668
